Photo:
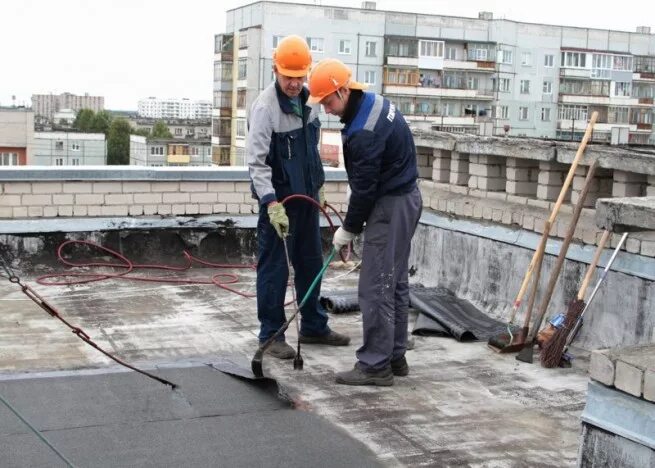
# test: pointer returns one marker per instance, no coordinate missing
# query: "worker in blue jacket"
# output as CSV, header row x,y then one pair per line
x,y
380,159
283,160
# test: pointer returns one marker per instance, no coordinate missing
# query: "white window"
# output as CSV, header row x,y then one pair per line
x,y
315,44
369,77
241,128
59,161
525,86
505,56
446,109
451,53
276,40
472,83
243,69
178,131
574,60
431,48
505,85
501,112
572,112
344,46
75,161
548,61
370,48
548,87
75,146
478,53
545,114
8,159
526,59
622,88
523,113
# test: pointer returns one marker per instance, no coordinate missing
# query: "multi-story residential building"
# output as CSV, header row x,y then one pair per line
x,y
69,149
174,108
183,129
46,105
479,75
159,152
16,136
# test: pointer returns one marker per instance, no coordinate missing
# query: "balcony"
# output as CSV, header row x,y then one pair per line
x,y
454,93
646,101
402,61
575,73
178,159
470,65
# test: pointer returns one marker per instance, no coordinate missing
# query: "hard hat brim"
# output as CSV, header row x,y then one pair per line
x,y
293,73
351,85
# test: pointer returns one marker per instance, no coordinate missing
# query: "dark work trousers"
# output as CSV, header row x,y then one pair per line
x,y
304,243
384,280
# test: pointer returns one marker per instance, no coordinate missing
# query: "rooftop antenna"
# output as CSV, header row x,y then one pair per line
x,y
13,100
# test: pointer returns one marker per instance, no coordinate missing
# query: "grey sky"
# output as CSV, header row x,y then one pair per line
x,y
130,49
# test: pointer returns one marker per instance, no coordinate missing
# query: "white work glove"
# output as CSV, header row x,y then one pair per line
x,y
341,238
348,193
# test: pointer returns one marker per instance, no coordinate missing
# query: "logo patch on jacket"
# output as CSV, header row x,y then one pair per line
x,y
392,112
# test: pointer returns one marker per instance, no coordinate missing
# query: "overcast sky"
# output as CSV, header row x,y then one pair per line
x,y
130,49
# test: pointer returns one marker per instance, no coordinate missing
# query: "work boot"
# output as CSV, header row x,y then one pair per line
x,y
357,376
280,350
400,367
331,339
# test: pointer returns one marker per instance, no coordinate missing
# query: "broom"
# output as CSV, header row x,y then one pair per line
x,y
554,349
497,343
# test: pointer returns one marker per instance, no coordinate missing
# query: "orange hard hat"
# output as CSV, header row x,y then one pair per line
x,y
292,57
327,77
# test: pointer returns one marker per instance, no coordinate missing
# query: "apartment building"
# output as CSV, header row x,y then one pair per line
x,y
69,149
169,152
472,75
46,105
182,129
174,108
16,136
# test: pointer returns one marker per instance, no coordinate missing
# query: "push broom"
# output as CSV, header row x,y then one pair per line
x,y
498,343
551,355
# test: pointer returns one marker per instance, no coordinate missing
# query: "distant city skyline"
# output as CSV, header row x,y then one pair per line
x,y
154,50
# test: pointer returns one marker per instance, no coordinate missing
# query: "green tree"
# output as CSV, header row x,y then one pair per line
x,y
101,122
161,130
118,142
141,131
84,120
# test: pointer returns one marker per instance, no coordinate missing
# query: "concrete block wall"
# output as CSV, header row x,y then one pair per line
x,y
142,194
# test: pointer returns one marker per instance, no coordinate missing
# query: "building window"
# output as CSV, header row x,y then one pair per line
x,y
574,59
344,46
59,145
446,109
572,112
315,44
243,69
243,40
59,161
505,85
241,128
548,61
75,146
548,87
501,112
431,48
478,52
178,131
194,151
505,56
370,48
472,82
525,86
545,114
369,77
276,40
241,99
622,88
526,59
617,115
523,113
8,159
451,53
75,161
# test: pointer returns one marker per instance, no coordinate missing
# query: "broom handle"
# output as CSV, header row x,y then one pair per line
x,y
578,323
537,276
558,204
592,266
564,249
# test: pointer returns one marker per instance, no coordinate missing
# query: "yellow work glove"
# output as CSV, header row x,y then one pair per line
x,y
321,196
278,217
